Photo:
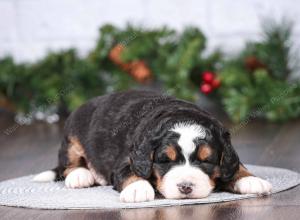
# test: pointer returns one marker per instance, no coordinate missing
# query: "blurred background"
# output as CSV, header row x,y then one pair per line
x,y
240,55
236,59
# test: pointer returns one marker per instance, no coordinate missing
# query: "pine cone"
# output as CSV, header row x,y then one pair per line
x,y
115,54
252,63
137,69
140,72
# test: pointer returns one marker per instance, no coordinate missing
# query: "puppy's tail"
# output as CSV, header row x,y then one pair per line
x,y
49,175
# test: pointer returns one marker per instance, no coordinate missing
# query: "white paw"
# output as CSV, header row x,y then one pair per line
x,y
45,176
252,185
79,178
139,191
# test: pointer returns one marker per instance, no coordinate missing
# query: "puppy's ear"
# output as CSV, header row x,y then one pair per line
x,y
229,162
141,158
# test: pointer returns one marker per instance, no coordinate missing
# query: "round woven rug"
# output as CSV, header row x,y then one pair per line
x,y
22,192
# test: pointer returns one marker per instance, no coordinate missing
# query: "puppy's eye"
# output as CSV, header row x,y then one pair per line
x,y
163,159
167,155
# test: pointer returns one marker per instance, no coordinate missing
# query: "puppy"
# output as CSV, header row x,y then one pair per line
x,y
144,143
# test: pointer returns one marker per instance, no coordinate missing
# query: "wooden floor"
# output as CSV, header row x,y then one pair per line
x,y
30,149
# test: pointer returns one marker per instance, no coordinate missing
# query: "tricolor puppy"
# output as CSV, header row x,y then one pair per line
x,y
145,143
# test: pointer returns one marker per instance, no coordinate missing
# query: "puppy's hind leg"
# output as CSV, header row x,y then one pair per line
x,y
73,158
46,176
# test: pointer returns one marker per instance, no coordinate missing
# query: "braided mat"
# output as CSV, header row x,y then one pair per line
x,y
22,192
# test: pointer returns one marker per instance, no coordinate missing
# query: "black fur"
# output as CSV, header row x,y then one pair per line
x,y
123,133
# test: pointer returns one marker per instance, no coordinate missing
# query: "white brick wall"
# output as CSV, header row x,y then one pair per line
x,y
29,28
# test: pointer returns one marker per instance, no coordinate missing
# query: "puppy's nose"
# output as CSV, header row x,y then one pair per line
x,y
185,187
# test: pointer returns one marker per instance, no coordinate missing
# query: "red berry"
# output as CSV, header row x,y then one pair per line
x,y
216,83
208,77
206,88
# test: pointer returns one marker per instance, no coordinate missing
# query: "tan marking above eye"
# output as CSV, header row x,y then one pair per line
x,y
204,152
171,153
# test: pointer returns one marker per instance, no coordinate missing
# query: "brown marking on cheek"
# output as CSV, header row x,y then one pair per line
x,y
75,154
216,173
212,182
213,177
171,153
158,181
129,180
204,152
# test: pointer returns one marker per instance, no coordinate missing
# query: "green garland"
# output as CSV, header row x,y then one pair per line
x,y
60,79
252,84
255,83
170,56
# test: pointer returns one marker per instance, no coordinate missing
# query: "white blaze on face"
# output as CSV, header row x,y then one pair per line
x,y
186,173
188,132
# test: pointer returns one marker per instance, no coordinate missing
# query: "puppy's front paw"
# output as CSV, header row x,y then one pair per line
x,y
139,191
252,185
79,178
